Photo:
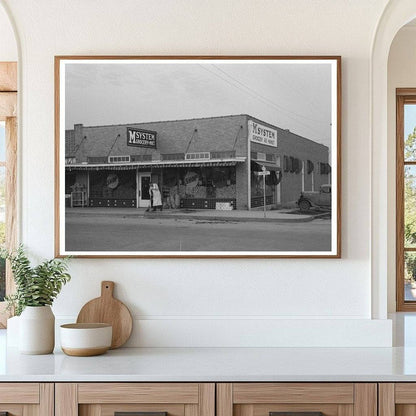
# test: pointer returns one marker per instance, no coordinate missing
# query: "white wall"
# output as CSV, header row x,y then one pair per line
x,y
179,302
401,74
8,47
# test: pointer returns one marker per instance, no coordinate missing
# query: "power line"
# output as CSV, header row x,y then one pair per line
x,y
259,97
268,99
285,82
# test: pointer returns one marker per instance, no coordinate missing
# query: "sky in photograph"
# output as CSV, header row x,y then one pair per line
x,y
291,96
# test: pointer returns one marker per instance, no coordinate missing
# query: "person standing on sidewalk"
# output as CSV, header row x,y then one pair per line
x,y
155,197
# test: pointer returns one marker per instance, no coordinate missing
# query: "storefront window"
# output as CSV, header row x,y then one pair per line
x,y
70,179
118,184
217,182
257,182
182,185
170,188
257,185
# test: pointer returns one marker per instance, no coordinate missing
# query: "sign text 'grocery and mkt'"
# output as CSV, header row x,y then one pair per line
x,y
259,133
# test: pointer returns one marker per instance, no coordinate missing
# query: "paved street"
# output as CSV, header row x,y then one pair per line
x,y
111,233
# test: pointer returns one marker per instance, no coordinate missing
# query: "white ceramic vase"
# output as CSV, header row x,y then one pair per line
x,y
37,330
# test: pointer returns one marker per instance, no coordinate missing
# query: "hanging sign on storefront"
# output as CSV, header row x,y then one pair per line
x,y
141,138
191,179
259,133
112,181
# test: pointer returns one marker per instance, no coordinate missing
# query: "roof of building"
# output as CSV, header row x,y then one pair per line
x,y
177,136
220,133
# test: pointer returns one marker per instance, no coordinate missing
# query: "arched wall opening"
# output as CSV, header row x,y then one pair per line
x,y
9,213
396,15
400,74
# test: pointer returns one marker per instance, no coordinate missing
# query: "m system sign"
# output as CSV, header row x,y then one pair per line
x,y
259,133
141,138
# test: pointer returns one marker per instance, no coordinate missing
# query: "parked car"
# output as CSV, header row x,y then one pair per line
x,y
316,199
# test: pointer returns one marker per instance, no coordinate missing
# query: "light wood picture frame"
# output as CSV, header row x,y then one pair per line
x,y
198,156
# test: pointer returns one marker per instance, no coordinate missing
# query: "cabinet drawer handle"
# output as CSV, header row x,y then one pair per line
x,y
138,414
296,414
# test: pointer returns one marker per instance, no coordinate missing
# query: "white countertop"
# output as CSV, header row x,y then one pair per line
x,y
213,364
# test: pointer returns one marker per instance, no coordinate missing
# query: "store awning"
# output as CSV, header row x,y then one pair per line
x,y
155,164
269,166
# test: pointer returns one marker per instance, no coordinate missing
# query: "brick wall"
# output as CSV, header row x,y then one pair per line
x,y
180,136
69,143
290,144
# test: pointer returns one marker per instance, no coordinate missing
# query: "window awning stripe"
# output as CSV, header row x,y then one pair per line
x,y
267,165
156,164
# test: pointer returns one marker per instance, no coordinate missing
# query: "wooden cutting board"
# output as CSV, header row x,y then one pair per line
x,y
107,309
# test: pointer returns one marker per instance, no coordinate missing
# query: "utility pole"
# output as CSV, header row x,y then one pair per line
x,y
264,173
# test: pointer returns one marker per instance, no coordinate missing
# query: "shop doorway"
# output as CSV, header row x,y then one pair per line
x,y
143,196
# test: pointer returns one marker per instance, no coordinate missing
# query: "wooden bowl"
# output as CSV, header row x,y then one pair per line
x,y
85,340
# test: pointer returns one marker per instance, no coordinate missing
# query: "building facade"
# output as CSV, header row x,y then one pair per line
x,y
205,163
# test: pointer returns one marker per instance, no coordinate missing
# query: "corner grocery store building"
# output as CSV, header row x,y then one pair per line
x,y
202,163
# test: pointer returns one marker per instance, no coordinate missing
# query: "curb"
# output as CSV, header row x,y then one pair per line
x,y
201,217
225,219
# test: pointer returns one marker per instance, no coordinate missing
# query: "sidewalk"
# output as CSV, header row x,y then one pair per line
x,y
209,215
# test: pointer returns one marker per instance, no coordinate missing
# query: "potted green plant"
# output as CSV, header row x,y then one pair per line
x,y
36,289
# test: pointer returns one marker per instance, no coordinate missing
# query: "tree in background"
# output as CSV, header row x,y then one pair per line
x,y
2,233
410,205
2,208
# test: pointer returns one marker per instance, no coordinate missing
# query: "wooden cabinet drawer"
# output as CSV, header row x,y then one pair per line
x,y
105,399
27,399
397,399
297,399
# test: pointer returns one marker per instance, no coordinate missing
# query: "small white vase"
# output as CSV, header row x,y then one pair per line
x,y
37,330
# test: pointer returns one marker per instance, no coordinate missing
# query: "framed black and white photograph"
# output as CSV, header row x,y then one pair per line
x,y
198,156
